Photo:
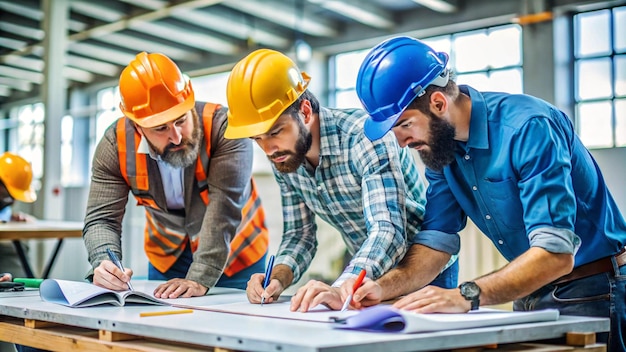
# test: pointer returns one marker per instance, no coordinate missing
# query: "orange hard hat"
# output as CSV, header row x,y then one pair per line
x,y
260,88
154,91
16,174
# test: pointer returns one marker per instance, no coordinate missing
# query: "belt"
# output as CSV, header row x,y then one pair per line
x,y
602,265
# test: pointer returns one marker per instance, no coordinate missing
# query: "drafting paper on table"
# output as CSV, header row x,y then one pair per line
x,y
388,319
280,310
83,294
216,295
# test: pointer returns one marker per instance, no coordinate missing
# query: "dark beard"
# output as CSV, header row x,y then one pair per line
x,y
186,156
441,144
303,144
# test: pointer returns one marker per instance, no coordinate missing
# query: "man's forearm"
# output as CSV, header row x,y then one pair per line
x,y
418,268
283,273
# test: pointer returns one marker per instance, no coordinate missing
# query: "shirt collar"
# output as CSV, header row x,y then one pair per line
x,y
329,136
479,131
144,148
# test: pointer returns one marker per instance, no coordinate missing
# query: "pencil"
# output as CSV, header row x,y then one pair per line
x,y
165,312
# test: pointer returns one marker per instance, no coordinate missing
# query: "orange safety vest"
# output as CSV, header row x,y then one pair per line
x,y
164,245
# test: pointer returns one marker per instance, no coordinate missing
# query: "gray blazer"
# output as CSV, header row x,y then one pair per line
x,y
229,173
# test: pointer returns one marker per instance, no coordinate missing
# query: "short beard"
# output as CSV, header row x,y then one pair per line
x,y
441,144
186,156
303,145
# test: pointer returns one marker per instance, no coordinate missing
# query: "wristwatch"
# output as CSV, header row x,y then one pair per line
x,y
471,292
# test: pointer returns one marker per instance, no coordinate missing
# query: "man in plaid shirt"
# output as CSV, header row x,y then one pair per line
x,y
371,192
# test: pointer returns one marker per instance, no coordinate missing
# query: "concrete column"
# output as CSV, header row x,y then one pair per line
x,y
54,97
538,52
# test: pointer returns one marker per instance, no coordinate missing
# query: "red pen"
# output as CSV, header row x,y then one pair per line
x,y
357,284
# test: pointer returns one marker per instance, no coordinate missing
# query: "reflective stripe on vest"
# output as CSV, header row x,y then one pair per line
x,y
164,245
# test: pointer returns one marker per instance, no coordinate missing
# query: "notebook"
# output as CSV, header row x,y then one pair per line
x,y
83,294
384,318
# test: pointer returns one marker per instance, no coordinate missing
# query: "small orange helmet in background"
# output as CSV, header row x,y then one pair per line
x,y
17,174
154,91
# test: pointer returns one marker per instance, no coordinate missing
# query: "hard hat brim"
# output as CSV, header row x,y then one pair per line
x,y
27,196
247,131
377,129
166,116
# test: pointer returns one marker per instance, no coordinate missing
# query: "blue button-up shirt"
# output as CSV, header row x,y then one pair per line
x,y
526,180
371,192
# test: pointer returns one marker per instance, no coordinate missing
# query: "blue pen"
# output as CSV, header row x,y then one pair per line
x,y
268,273
118,264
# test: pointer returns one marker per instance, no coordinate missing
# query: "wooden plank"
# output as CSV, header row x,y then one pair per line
x,y
580,338
67,338
38,324
113,336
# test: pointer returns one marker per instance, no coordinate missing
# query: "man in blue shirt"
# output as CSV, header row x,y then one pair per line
x,y
371,192
514,165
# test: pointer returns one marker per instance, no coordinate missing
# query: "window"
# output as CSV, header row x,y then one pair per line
x,y
211,88
600,77
487,59
107,101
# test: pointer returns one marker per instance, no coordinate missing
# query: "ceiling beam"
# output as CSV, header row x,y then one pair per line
x,y
278,13
16,83
105,28
30,76
372,16
231,27
184,36
22,31
138,44
438,5
101,53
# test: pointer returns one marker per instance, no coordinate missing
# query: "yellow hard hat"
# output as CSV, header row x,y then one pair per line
x,y
16,174
154,91
260,87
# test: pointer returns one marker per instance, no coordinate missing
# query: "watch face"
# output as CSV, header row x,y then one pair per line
x,y
469,290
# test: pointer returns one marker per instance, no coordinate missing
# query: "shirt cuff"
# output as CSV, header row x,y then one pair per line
x,y
205,275
555,240
438,240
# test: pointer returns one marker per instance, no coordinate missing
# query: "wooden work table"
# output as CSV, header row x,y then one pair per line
x,y
41,229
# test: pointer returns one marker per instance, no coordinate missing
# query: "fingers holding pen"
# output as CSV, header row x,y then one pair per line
x,y
255,291
108,275
272,291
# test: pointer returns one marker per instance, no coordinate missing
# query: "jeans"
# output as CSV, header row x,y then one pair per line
x,y
181,266
448,278
601,295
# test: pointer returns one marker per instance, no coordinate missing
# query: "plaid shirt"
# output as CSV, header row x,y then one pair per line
x,y
369,191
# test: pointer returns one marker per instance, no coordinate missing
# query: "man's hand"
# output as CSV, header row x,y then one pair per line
x,y
255,290
315,293
369,294
22,217
433,299
183,288
5,277
108,275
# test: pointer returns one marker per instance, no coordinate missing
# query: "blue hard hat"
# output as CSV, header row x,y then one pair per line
x,y
392,75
